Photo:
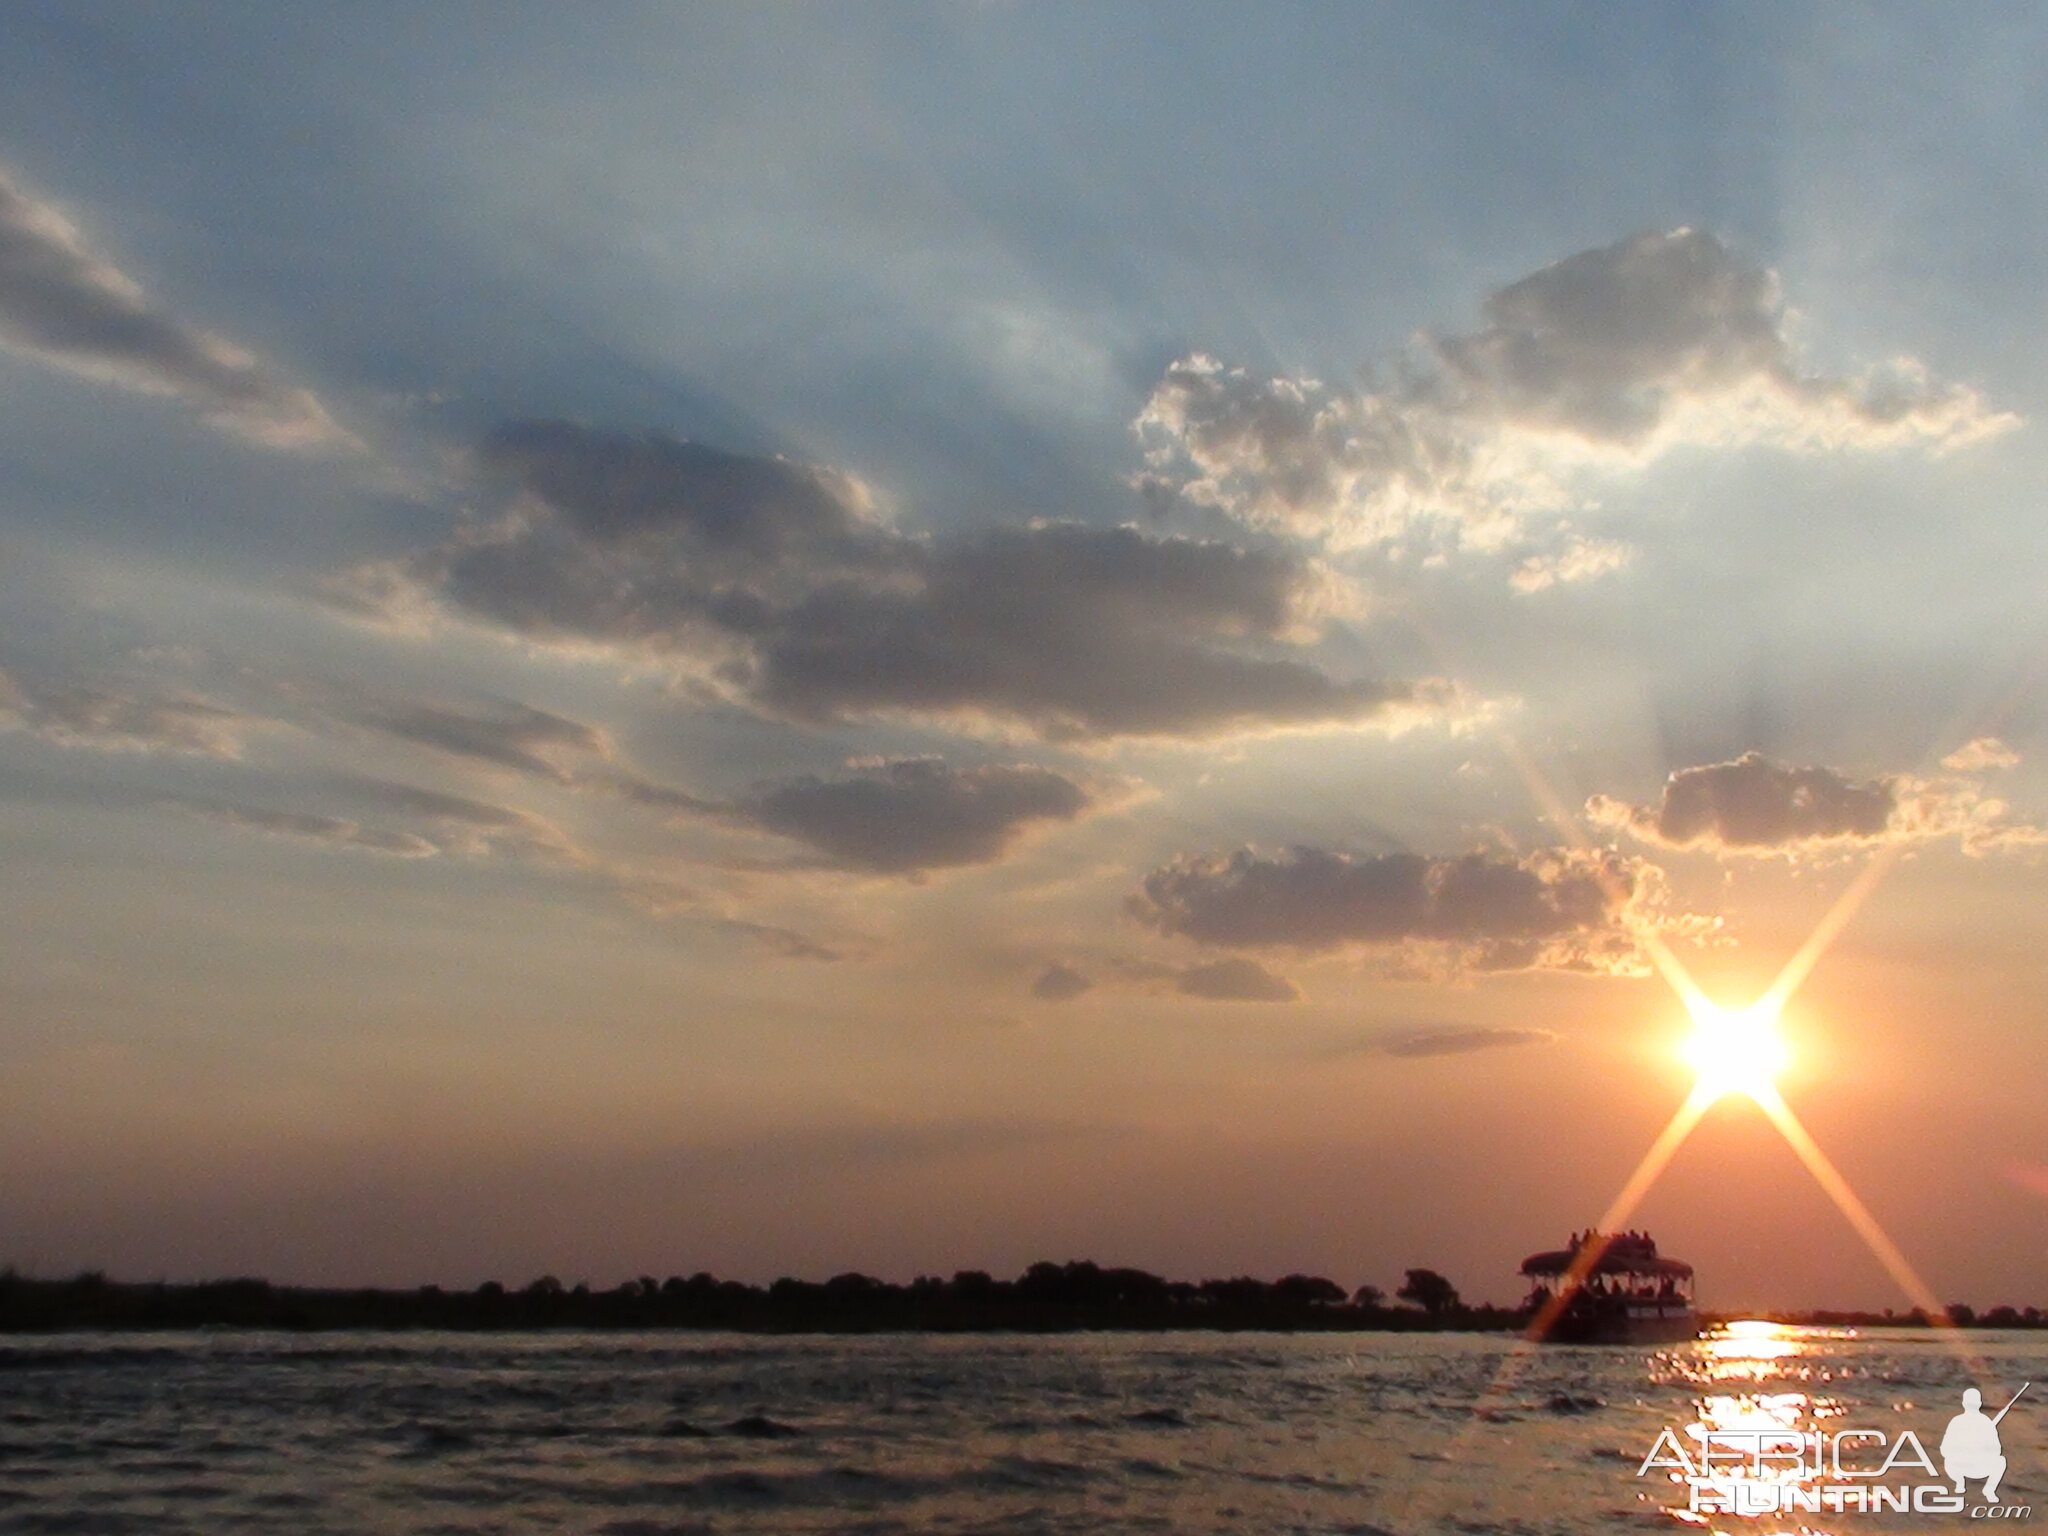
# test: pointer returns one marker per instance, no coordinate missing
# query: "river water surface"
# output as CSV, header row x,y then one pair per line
x,y
663,1434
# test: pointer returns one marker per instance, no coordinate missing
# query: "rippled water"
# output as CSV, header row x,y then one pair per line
x,y
648,1435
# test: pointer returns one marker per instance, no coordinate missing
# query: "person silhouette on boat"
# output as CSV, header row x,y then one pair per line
x,y
1970,1448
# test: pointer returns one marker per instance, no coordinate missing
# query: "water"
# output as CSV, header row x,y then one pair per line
x,y
665,1434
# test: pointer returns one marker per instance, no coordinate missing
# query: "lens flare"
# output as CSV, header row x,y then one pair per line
x,y
1735,1050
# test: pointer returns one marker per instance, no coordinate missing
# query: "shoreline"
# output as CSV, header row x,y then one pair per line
x,y
1074,1298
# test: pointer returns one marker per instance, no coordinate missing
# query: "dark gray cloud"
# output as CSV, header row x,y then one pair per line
x,y
723,516
1059,983
1610,355
1557,909
1459,1042
1236,980
900,816
63,304
777,586
894,816
120,721
1077,632
914,814
1753,806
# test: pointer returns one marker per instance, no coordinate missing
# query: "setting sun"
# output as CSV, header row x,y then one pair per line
x,y
1735,1050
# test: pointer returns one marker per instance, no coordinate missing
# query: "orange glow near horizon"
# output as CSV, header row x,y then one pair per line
x,y
1838,1189
1739,1051
1736,1051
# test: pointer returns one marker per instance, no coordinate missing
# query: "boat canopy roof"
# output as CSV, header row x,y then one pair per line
x,y
1625,1253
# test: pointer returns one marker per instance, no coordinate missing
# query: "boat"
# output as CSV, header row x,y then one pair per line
x,y
1610,1288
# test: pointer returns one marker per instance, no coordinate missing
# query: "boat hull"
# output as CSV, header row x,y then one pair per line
x,y
1668,1325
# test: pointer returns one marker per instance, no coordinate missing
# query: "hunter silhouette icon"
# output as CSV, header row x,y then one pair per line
x,y
1970,1447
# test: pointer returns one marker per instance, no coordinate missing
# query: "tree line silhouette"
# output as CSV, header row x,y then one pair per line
x,y
1046,1298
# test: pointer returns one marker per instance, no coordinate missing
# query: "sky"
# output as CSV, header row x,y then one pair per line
x,y
912,637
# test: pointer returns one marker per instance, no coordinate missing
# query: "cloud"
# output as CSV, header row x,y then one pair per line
x,y
492,822
1459,1042
786,942
1609,357
1755,807
436,823
1578,559
900,816
507,734
914,814
1059,983
1232,980
1236,980
774,586
120,722
1555,909
459,827
326,831
1985,752
66,306
440,824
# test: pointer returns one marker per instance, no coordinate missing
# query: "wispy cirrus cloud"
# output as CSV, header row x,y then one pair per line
x,y
321,831
1463,1042
69,307
406,821
1234,979
121,719
502,732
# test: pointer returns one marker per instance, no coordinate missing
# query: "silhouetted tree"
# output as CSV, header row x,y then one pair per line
x,y
1308,1291
1368,1296
1429,1291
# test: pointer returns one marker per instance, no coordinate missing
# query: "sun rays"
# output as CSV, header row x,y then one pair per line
x,y
1737,1051
1740,1051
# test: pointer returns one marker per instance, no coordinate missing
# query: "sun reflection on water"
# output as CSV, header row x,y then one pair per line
x,y
1751,1343
1759,1378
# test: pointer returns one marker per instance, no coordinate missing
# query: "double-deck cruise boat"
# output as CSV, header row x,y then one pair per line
x,y
1610,1288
